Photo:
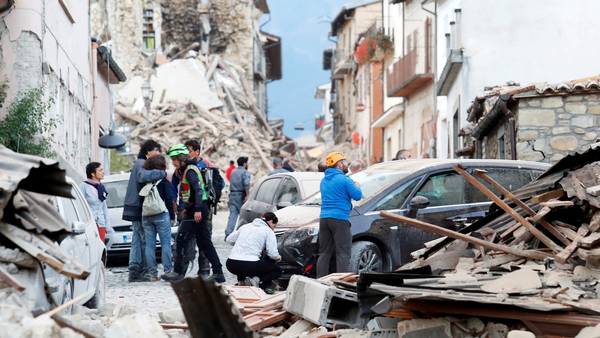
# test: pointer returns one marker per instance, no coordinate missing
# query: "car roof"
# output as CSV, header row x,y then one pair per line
x,y
416,165
300,175
116,178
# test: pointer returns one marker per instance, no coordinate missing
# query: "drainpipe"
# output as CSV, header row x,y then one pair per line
x,y
434,66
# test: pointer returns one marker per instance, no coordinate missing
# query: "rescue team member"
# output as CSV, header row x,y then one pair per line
x,y
245,259
95,194
277,166
132,207
193,195
337,193
239,189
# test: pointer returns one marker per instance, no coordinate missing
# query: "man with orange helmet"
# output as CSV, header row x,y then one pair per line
x,y
335,236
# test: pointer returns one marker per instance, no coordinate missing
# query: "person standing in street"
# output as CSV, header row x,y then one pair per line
x,y
194,195
277,166
335,236
95,194
229,170
159,224
213,180
247,260
239,189
132,207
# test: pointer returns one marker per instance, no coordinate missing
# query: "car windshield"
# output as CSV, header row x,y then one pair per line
x,y
311,186
116,193
371,182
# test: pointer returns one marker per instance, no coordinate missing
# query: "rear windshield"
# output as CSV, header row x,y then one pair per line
x,y
116,193
371,182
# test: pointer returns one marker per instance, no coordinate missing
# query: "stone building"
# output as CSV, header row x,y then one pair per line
x,y
537,122
46,44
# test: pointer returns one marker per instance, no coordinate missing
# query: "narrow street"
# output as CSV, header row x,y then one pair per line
x,y
152,297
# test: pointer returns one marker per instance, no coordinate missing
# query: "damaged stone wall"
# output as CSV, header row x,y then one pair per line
x,y
181,24
551,127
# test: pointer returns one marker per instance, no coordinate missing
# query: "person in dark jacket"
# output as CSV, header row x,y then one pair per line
x,y
193,195
132,207
159,224
335,236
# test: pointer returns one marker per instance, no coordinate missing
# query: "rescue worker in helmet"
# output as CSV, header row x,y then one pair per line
x,y
335,236
193,194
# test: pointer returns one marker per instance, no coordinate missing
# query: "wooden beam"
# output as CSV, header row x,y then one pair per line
x,y
549,195
557,204
538,219
499,202
179,326
568,251
8,279
533,254
65,305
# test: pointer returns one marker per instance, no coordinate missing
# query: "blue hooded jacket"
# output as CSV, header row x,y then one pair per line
x,y
337,193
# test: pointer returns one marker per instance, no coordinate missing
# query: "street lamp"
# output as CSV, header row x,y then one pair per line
x,y
147,94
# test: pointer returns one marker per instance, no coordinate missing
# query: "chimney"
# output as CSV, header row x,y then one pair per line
x,y
452,35
458,36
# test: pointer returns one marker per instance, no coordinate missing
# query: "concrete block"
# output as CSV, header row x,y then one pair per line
x,y
424,328
172,316
322,304
383,327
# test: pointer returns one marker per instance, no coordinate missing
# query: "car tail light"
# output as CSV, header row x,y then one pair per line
x,y
102,233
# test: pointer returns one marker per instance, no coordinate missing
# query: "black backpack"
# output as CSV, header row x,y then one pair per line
x,y
214,184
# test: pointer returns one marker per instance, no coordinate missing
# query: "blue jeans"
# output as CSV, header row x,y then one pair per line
x,y
137,264
161,225
234,212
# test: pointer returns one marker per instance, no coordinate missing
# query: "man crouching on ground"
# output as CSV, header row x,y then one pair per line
x,y
193,226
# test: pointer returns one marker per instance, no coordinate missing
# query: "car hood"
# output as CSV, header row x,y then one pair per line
x,y
115,217
296,216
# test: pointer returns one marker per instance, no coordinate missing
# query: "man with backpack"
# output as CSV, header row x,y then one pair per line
x,y
215,184
193,195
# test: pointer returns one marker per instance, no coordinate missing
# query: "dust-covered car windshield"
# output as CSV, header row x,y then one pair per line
x,y
371,182
116,193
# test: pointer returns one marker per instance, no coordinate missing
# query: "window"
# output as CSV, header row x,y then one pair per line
x,y
267,190
288,193
148,29
510,178
70,215
455,132
116,193
501,147
444,189
396,199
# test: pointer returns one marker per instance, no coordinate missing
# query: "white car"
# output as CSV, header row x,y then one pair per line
x,y
85,245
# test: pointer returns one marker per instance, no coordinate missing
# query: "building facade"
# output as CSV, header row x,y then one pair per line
x,y
46,44
485,43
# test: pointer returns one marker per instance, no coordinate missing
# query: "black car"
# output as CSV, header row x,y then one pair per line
x,y
380,244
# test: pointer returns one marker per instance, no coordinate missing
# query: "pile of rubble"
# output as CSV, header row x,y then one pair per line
x,y
206,99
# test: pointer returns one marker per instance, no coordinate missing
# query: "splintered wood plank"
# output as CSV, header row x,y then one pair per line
x,y
568,251
525,207
8,279
595,222
541,214
590,241
533,254
499,202
259,320
246,294
557,204
549,195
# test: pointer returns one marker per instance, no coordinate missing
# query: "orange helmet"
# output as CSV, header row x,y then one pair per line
x,y
333,158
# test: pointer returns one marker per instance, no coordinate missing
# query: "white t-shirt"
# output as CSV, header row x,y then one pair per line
x,y
250,240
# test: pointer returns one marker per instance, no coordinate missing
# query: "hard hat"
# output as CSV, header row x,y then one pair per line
x,y
333,158
177,149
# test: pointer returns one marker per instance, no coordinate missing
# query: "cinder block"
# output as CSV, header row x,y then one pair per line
x,y
322,304
424,328
383,327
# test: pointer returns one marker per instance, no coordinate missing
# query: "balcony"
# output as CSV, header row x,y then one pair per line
x,y
450,71
342,64
407,75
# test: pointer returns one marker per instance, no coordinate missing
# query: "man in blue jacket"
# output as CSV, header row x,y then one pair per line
x,y
335,236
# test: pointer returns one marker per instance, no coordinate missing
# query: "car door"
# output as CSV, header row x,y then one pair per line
x,y
287,194
83,242
262,201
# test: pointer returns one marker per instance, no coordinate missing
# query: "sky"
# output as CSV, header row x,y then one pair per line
x,y
303,26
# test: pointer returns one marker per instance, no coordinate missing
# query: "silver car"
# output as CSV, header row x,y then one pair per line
x,y
118,243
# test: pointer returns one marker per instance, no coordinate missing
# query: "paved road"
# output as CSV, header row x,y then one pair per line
x,y
153,297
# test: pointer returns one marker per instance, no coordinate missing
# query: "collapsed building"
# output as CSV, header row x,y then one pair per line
x,y
209,60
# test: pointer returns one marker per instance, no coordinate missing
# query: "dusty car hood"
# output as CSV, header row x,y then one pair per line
x,y
297,216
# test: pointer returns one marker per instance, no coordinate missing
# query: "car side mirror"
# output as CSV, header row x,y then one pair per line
x,y
417,203
78,227
283,204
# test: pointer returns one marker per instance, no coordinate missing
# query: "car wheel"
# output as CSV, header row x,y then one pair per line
x,y
99,298
366,257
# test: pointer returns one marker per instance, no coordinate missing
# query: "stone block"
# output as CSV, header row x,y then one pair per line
x,y
552,102
564,116
583,121
556,157
594,109
322,304
560,130
526,135
576,108
590,136
564,143
591,97
534,102
564,122
574,98
579,131
537,117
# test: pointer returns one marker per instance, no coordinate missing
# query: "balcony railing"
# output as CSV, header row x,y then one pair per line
x,y
342,63
413,70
